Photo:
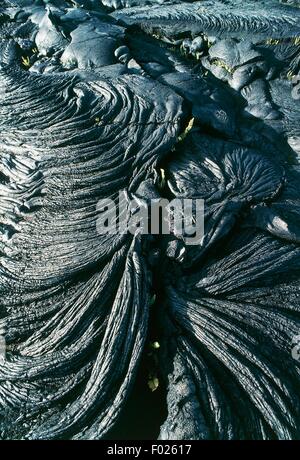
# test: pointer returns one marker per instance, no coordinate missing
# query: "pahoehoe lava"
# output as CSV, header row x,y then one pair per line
x,y
157,98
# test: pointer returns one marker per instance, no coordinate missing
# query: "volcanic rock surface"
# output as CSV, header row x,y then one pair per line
x,y
173,99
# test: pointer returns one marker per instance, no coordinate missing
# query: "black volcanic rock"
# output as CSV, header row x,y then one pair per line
x,y
154,99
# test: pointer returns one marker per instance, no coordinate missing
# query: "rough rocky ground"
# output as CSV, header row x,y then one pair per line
x,y
186,99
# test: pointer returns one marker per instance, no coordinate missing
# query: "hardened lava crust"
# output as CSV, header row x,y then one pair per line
x,y
107,333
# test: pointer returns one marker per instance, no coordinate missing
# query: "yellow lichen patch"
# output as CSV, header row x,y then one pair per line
x,y
155,345
209,44
97,120
187,130
26,61
296,41
272,41
290,75
223,65
156,35
162,179
153,383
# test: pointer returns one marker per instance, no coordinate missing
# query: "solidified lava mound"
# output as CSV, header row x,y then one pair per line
x,y
160,99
